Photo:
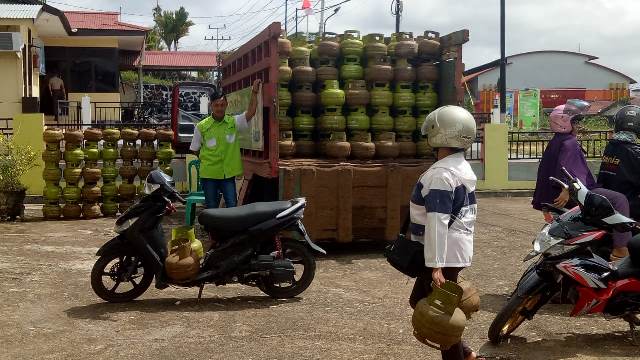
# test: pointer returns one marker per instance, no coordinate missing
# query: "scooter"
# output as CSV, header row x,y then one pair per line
x,y
567,252
264,245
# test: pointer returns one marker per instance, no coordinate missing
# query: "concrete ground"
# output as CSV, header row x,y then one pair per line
x,y
356,307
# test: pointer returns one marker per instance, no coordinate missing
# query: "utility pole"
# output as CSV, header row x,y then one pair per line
x,y
286,16
397,11
503,66
218,57
321,27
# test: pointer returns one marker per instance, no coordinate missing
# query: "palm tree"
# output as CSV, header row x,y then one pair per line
x,y
165,24
181,25
153,41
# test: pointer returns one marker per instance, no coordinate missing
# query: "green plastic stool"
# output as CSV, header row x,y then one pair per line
x,y
194,197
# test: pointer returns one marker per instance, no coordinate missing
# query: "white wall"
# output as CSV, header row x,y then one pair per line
x,y
548,70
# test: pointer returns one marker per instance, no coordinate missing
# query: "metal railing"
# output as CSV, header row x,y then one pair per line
x,y
531,144
6,127
482,118
475,152
114,114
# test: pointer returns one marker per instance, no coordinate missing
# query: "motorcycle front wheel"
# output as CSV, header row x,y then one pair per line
x,y
120,277
513,314
305,268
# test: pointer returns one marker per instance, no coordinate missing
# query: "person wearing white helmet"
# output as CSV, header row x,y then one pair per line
x,y
443,207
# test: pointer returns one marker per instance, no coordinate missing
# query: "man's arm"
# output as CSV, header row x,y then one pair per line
x,y
438,202
253,103
196,142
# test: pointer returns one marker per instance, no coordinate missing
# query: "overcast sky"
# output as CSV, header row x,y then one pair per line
x,y
608,29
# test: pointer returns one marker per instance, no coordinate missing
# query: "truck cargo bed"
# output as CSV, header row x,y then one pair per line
x,y
352,199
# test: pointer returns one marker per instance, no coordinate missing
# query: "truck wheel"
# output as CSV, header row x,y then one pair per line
x,y
120,277
305,267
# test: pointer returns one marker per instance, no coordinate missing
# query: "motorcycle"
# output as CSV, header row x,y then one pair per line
x,y
571,251
264,245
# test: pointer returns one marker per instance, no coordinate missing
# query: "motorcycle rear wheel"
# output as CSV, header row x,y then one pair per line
x,y
511,316
301,257
112,269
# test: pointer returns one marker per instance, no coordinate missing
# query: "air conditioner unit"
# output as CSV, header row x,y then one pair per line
x,y
10,41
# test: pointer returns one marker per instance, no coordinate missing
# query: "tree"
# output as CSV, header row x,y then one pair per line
x,y
153,41
181,25
165,25
171,26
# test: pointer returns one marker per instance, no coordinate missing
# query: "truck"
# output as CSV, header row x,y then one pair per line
x,y
347,199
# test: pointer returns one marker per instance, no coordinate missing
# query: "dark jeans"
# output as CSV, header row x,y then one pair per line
x,y
421,289
215,188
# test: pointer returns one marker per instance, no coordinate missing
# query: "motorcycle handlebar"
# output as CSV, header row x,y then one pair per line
x,y
180,199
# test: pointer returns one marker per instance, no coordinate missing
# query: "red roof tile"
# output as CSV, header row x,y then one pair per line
x,y
99,21
179,59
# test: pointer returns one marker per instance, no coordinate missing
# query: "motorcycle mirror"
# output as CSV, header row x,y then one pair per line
x,y
559,182
568,174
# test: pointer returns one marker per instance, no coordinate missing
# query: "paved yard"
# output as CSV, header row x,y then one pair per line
x,y
355,309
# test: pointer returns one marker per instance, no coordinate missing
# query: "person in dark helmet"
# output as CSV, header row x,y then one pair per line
x,y
215,142
620,166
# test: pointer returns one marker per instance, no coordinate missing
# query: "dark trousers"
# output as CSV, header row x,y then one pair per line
x,y
214,189
421,289
57,95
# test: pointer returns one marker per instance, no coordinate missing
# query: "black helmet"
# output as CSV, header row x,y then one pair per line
x,y
217,93
628,119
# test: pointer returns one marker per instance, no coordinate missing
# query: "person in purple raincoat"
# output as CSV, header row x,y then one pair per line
x,y
565,151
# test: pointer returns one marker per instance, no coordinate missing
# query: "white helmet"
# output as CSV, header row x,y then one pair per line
x,y
450,126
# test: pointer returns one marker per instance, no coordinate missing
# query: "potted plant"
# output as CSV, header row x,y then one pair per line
x,y
15,161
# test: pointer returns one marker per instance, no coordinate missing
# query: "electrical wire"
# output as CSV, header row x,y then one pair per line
x,y
317,3
238,27
251,32
234,13
302,18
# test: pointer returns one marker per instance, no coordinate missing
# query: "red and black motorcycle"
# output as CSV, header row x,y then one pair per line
x,y
571,250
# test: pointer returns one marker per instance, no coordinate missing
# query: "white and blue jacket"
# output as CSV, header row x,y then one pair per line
x,y
443,212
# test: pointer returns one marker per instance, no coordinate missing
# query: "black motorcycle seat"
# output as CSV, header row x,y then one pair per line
x,y
238,218
627,269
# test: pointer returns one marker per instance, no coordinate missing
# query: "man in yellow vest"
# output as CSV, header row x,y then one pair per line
x,y
215,142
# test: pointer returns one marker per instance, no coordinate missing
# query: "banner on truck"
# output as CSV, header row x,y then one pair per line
x,y
252,137
529,109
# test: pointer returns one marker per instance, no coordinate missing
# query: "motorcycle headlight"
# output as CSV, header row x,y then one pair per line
x,y
544,241
549,245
